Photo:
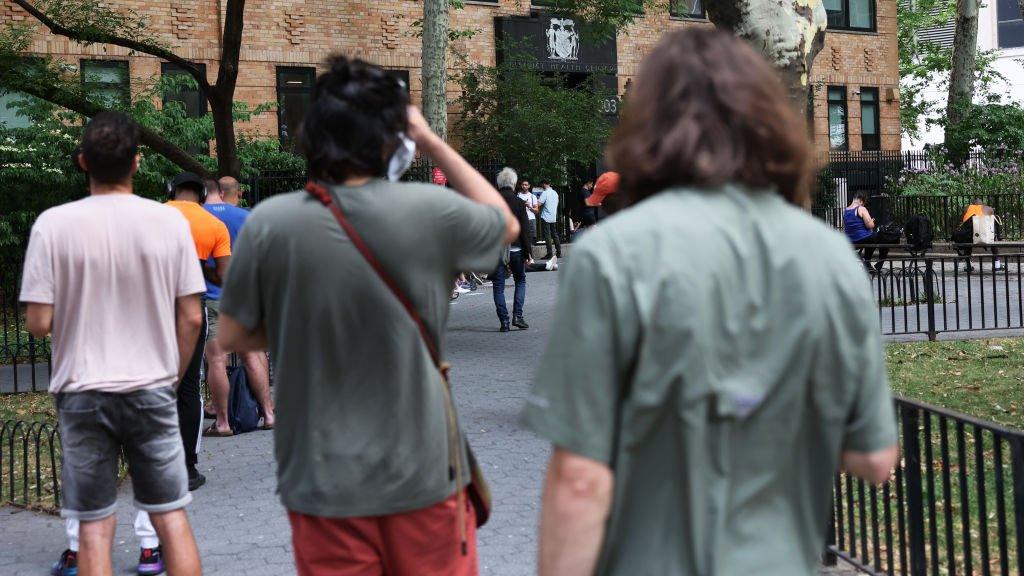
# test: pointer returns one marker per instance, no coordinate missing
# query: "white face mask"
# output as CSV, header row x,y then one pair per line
x,y
402,159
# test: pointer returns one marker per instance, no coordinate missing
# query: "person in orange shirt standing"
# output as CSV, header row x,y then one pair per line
x,y
964,235
212,241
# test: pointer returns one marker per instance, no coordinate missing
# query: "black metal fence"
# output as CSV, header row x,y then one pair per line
x,y
843,174
933,294
954,506
944,212
24,359
30,459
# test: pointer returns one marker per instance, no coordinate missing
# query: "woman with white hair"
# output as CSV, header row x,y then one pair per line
x,y
514,258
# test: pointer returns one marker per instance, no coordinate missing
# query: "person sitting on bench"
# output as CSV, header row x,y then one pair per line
x,y
861,230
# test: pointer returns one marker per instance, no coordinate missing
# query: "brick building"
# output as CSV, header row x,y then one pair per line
x,y
855,77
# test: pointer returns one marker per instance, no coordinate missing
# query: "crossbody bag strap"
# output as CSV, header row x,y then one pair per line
x,y
324,196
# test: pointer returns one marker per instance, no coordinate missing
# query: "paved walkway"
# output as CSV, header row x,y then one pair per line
x,y
241,527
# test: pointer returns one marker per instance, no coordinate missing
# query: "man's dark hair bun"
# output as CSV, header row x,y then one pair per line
x,y
352,126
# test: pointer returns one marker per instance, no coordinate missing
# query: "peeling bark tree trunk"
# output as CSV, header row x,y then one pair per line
x,y
961,76
435,55
790,33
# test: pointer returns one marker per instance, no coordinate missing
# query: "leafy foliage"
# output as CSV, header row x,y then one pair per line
x,y
992,175
531,121
925,66
36,171
996,126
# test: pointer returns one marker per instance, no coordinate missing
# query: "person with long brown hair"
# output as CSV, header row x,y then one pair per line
x,y
733,356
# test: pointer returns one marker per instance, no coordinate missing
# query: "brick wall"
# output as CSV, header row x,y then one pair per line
x,y
304,32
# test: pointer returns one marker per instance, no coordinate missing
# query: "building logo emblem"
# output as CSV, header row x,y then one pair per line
x,y
563,40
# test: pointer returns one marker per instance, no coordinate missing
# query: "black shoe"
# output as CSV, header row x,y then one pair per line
x,y
67,565
504,327
518,322
195,480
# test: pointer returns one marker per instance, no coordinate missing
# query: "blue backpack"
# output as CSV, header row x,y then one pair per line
x,y
243,409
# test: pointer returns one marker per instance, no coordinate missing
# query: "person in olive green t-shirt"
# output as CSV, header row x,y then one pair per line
x,y
362,441
716,354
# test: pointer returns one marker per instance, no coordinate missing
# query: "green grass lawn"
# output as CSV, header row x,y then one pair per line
x,y
31,406
981,378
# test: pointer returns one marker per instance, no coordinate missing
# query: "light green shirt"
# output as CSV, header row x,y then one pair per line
x,y
736,338
361,428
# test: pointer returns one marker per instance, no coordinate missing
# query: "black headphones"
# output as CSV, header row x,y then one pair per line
x,y
202,193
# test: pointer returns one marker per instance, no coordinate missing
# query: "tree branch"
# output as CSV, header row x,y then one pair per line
x,y
86,36
153,140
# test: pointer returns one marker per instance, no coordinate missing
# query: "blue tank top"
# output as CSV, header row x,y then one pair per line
x,y
854,225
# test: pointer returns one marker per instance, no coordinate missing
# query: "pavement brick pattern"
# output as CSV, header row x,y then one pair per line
x,y
242,529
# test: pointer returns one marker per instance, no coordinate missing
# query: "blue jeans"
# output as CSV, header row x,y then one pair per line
x,y
517,263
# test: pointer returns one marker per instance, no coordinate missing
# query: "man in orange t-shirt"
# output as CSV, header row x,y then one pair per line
x,y
212,241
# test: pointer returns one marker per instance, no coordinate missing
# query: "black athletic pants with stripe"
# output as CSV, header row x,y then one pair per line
x,y
190,402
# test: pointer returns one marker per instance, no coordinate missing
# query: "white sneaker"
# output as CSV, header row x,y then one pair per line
x,y
462,289
552,264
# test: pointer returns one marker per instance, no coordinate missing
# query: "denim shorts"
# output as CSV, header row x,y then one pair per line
x,y
96,427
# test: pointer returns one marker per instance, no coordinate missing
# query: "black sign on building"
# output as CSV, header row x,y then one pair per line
x,y
553,44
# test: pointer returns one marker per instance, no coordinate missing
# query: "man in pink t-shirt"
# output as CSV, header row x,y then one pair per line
x,y
116,279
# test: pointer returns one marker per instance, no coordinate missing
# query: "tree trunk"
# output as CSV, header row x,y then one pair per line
x,y
228,163
789,33
223,96
435,55
961,76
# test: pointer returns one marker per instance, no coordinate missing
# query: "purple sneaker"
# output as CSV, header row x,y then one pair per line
x,y
151,562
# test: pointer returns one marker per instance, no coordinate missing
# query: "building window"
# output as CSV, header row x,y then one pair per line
x,y
837,132
1011,26
870,131
106,82
10,115
294,91
851,14
687,9
190,97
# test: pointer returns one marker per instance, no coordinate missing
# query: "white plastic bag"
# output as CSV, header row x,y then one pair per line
x,y
984,228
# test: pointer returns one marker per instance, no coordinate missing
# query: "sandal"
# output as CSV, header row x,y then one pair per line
x,y
212,431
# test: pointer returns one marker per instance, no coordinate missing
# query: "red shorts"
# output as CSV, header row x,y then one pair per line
x,y
422,542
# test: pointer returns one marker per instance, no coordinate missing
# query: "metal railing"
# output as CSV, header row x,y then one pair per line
x,y
944,212
30,459
955,504
933,294
24,359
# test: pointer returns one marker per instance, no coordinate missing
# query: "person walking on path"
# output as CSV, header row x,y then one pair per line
x,y
707,377
212,241
514,261
222,202
116,280
549,219
371,465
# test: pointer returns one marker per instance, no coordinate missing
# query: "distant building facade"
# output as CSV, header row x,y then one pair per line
x,y
855,78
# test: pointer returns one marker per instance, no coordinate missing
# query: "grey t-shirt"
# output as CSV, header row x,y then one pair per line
x,y
741,340
361,427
